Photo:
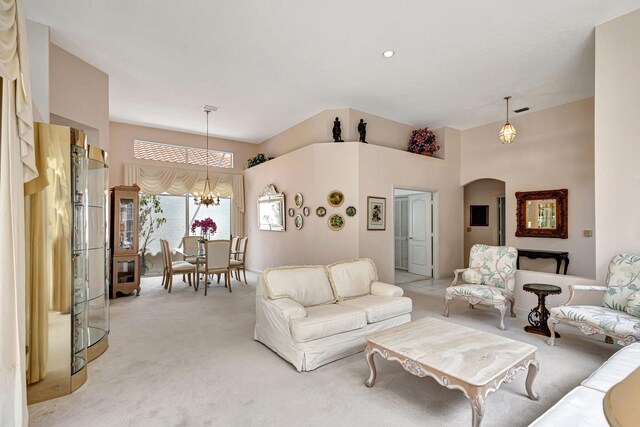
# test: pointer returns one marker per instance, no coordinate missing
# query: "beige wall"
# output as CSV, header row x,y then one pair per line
x,y
617,149
359,171
122,136
38,38
381,170
79,96
314,171
481,192
318,128
554,149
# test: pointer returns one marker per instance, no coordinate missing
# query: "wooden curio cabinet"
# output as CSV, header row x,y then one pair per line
x,y
125,225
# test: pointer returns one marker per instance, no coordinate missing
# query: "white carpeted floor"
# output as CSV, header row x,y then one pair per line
x,y
184,359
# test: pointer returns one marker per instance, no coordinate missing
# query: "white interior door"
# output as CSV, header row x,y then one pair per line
x,y
420,234
401,232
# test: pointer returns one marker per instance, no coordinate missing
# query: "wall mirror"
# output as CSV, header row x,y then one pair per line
x,y
542,214
271,209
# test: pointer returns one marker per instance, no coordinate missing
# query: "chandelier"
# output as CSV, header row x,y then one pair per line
x,y
207,198
508,133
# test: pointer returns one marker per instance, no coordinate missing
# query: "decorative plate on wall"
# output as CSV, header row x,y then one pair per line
x,y
351,211
297,200
306,211
335,198
298,221
291,212
336,222
321,211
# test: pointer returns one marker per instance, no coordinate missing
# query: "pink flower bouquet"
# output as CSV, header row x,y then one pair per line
x,y
423,141
207,227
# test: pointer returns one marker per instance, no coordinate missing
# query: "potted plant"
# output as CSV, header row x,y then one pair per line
x,y
150,222
423,141
257,160
207,229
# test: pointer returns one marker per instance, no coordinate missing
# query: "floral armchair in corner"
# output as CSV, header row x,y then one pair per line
x,y
490,279
619,315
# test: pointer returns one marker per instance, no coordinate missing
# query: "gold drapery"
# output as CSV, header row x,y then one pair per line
x,y
37,269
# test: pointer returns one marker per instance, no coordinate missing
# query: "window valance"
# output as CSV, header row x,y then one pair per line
x,y
176,181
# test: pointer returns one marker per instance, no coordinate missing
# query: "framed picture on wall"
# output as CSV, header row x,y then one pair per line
x,y
376,213
479,216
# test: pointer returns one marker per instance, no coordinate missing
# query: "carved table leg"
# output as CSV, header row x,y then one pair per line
x,y
372,368
477,408
531,375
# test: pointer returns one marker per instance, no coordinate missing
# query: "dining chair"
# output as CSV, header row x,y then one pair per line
x,y
217,255
234,246
238,263
174,267
190,249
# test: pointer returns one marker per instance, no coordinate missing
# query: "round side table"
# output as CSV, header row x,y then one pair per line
x,y
539,314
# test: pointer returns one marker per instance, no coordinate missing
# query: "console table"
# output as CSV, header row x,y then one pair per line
x,y
559,256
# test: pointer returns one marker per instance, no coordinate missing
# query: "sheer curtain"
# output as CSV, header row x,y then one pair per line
x,y
175,181
17,165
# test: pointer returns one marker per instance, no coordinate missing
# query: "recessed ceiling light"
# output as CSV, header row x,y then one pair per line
x,y
388,53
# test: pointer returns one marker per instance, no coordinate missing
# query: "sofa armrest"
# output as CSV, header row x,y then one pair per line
x,y
456,273
287,308
587,288
386,290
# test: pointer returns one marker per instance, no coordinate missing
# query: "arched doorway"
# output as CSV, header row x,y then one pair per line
x,y
484,214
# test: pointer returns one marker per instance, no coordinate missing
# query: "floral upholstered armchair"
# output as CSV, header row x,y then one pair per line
x,y
490,279
619,315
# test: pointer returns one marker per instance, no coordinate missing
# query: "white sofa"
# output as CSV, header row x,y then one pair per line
x,y
313,315
583,406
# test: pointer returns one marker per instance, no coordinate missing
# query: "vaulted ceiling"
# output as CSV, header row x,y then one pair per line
x,y
271,64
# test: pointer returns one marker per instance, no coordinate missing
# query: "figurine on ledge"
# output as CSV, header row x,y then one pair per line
x,y
337,131
362,130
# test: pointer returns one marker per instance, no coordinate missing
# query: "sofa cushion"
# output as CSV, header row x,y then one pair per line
x,y
623,279
380,307
581,406
306,285
633,304
351,279
612,321
472,276
326,320
485,292
614,370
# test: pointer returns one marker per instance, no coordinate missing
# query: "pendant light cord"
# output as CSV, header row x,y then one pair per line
x,y
207,158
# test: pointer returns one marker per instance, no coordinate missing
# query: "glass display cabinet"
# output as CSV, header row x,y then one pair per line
x,y
125,264
67,276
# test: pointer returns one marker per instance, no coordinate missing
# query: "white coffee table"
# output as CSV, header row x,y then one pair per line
x,y
458,357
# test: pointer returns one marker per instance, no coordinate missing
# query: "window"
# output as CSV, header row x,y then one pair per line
x,y
180,212
180,154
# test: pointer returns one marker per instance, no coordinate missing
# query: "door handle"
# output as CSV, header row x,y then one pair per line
x,y
410,238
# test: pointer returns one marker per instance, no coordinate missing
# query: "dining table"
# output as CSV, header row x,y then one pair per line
x,y
198,259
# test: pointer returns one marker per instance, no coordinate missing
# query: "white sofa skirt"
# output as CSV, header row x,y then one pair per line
x,y
307,356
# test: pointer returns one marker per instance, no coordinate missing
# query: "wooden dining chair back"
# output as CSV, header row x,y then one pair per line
x,y
190,248
238,263
165,264
217,255
234,246
175,267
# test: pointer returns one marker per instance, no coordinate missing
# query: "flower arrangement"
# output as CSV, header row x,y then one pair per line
x,y
207,227
423,141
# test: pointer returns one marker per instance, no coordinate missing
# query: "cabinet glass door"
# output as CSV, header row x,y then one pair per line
x,y
98,259
126,226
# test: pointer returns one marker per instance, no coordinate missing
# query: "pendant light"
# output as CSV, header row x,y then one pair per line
x,y
207,198
508,133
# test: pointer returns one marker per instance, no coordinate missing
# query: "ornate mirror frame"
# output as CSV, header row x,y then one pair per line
x,y
562,205
271,203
